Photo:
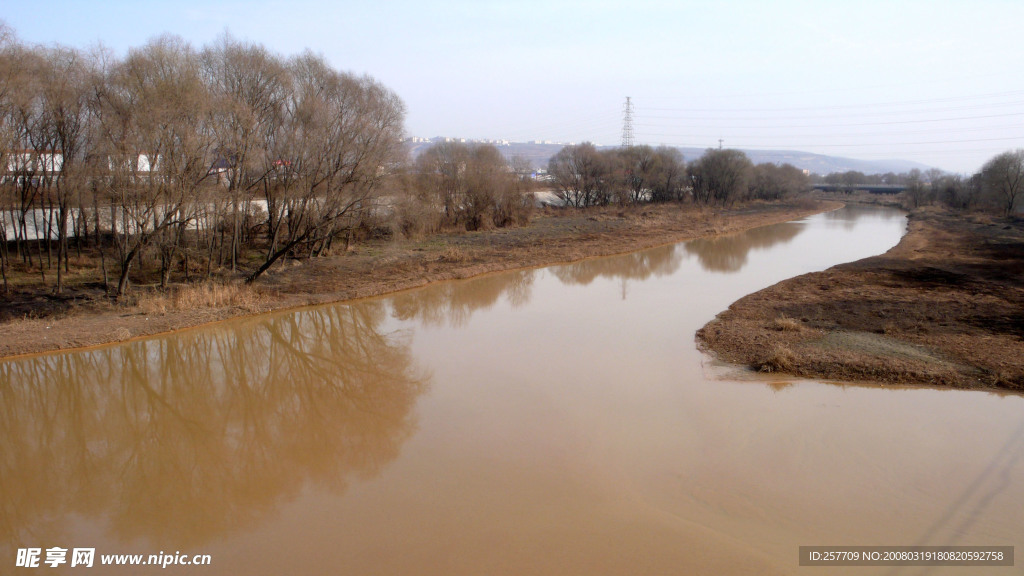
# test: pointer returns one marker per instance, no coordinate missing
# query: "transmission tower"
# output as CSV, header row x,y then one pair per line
x,y
627,124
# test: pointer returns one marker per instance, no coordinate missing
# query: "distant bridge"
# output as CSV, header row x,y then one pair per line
x,y
873,188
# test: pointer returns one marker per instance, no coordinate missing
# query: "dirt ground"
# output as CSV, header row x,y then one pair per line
x,y
35,321
944,307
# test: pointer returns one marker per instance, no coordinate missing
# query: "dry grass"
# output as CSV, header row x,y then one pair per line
x,y
944,307
784,323
805,202
202,296
779,359
454,255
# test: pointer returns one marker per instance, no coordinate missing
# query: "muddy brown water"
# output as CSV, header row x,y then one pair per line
x,y
549,421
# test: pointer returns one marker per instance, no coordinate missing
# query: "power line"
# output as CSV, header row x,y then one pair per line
x,y
719,119
889,88
858,145
898,103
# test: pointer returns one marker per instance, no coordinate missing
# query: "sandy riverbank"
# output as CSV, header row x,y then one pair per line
x,y
943,307
376,268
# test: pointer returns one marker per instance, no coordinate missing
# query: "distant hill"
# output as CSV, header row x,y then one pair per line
x,y
538,154
819,163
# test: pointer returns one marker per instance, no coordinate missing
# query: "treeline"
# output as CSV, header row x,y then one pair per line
x,y
998,186
583,175
179,157
182,163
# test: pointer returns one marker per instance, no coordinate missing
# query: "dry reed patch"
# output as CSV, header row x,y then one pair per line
x,y
454,255
202,296
779,359
786,324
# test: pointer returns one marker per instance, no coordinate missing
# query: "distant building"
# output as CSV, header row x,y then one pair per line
x,y
23,164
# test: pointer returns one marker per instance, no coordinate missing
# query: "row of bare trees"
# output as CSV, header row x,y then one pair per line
x,y
998,186
185,159
583,175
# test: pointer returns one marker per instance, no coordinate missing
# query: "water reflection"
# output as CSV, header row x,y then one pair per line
x,y
848,216
657,262
728,254
184,439
453,303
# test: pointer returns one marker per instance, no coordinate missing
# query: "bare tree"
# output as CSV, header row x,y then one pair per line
x,y
953,191
669,182
340,139
580,175
772,182
917,190
1004,179
490,184
249,87
513,197
67,122
154,137
9,66
441,177
27,152
640,165
720,176
472,185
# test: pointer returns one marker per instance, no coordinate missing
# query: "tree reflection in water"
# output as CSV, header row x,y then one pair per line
x,y
729,253
453,303
185,438
659,262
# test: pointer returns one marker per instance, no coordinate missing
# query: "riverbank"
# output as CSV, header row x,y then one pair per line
x,y
944,307
84,317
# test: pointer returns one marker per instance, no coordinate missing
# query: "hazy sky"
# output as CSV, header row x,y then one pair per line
x,y
937,82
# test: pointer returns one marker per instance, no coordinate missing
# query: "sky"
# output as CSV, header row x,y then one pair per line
x,y
938,82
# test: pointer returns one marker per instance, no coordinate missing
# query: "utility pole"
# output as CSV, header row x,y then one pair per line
x,y
720,143
627,124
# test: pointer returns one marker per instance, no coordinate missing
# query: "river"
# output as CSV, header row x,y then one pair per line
x,y
549,421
